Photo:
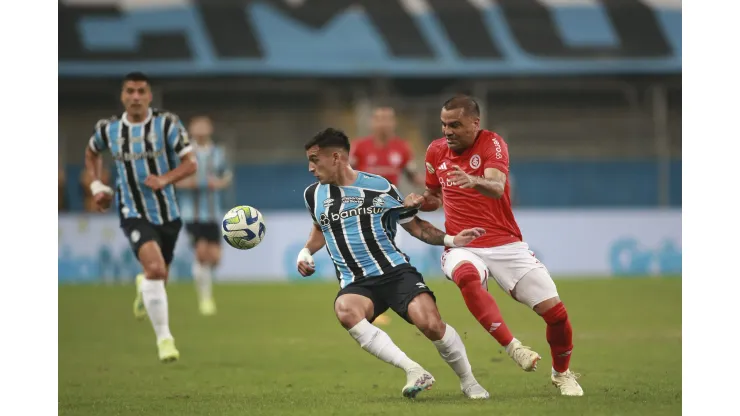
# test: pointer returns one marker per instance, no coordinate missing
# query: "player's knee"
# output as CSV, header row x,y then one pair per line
x,y
433,328
552,311
465,274
155,270
348,315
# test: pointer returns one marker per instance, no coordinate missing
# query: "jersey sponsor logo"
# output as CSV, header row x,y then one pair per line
x,y
328,202
152,138
420,285
430,168
442,167
353,200
135,236
475,162
498,148
136,156
325,219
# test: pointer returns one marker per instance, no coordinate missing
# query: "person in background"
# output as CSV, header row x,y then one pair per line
x,y
202,209
383,153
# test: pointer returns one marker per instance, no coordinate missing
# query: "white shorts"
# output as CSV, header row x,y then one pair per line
x,y
507,264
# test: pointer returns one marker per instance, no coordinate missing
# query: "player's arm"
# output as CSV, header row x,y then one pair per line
x,y
428,233
177,140
316,241
492,184
225,176
495,168
102,193
187,183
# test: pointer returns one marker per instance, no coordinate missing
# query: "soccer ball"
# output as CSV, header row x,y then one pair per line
x,y
243,227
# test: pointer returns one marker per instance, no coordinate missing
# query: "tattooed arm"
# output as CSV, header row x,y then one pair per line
x,y
426,232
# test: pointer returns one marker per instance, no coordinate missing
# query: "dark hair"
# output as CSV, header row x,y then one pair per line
x,y
466,102
136,76
329,138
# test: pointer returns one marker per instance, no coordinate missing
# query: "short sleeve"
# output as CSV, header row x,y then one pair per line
x,y
99,138
431,180
177,136
310,200
496,155
407,216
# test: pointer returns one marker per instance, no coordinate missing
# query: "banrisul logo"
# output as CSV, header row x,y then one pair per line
x,y
336,216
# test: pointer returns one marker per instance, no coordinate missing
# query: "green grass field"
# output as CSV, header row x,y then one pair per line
x,y
278,349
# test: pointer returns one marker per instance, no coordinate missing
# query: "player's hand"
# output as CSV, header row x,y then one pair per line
x,y
102,201
306,266
215,183
413,200
460,178
465,237
155,182
102,195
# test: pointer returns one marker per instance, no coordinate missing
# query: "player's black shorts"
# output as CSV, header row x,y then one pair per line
x,y
139,231
394,290
209,231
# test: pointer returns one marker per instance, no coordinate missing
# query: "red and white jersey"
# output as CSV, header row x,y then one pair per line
x,y
387,161
468,208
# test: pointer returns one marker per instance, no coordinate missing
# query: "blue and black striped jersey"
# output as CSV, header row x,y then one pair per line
x,y
154,147
359,225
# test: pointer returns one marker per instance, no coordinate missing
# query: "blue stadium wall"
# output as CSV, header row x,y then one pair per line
x,y
551,184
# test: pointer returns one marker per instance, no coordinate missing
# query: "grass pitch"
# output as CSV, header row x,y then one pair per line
x,y
277,349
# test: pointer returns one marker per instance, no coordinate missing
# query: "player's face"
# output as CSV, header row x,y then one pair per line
x,y
136,97
459,129
384,121
324,164
201,130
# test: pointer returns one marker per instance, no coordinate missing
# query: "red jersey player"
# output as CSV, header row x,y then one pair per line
x,y
467,172
383,153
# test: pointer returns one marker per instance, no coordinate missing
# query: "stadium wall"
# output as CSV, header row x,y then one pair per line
x,y
537,184
572,243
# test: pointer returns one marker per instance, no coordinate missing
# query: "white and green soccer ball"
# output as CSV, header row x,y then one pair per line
x,y
243,227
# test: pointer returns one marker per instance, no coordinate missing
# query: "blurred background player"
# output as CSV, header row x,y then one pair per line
x,y
146,145
201,200
467,173
384,153
374,275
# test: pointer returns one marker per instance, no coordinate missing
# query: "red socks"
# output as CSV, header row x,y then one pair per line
x,y
559,336
482,305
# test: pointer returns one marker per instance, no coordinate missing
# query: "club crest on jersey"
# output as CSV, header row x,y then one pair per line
x,y
328,202
378,200
430,168
475,162
395,159
152,138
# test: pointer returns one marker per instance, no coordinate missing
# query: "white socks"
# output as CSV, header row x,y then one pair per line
x,y
155,301
203,275
452,350
373,340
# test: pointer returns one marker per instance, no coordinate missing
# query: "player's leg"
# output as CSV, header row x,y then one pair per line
x,y
207,303
146,242
356,307
201,266
415,302
538,291
470,274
